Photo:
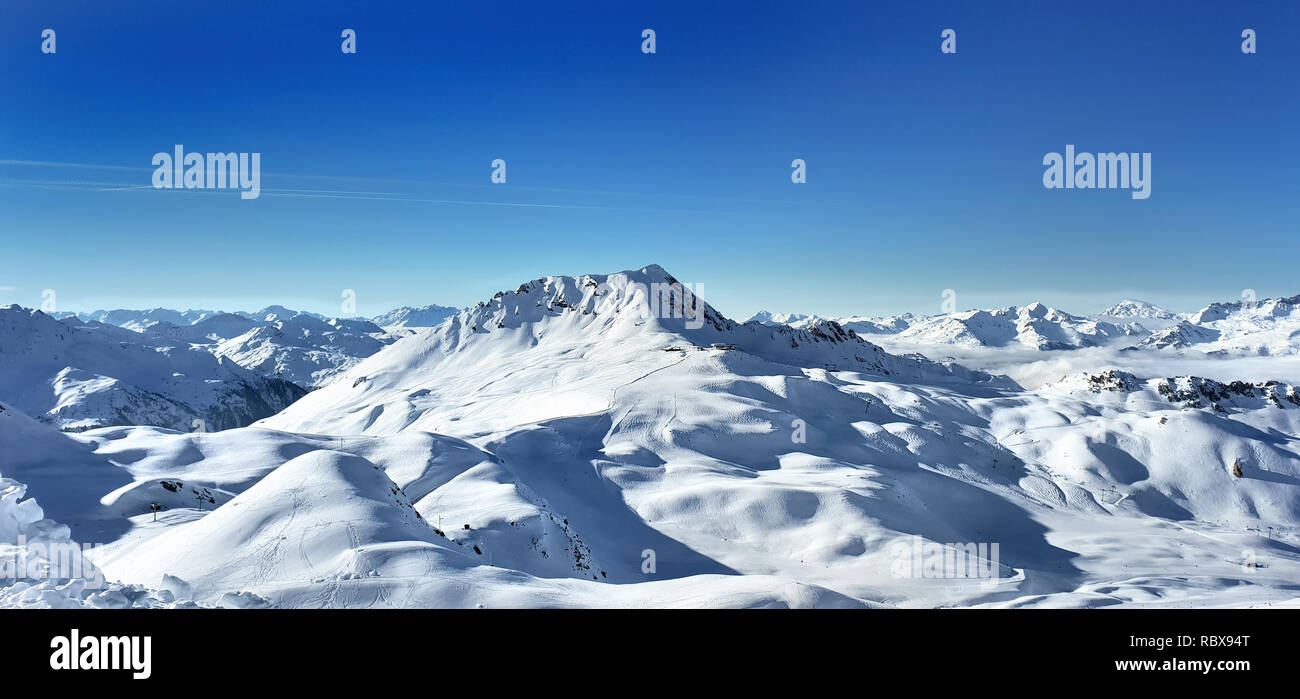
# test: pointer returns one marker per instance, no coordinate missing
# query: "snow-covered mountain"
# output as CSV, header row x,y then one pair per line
x,y
862,325
766,318
277,312
81,374
1130,309
409,317
611,440
583,334
1241,328
1268,328
138,319
1182,334
1034,326
304,349
878,325
214,328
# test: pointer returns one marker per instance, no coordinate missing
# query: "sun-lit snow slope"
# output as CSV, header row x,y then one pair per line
x,y
79,375
331,529
1167,446
560,347
311,517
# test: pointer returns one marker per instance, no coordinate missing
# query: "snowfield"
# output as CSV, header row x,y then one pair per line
x,y
572,444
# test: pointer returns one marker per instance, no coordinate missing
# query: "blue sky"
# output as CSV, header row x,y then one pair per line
x,y
924,169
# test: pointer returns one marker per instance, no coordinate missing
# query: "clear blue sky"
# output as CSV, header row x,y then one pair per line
x,y
924,170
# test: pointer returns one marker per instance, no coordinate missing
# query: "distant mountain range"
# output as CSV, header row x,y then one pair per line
x,y
83,374
1266,327
406,316
299,346
193,369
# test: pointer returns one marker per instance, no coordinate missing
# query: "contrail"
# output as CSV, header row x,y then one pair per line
x,y
327,194
437,183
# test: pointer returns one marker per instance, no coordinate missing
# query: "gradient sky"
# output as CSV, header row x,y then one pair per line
x,y
924,169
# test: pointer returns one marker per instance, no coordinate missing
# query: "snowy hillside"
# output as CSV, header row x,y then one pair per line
x,y
81,374
44,566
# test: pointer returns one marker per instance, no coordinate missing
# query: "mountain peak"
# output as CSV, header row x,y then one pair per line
x,y
1036,310
1133,308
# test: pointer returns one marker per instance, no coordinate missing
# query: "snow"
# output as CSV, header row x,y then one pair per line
x,y
83,374
1136,310
39,562
422,317
766,318
561,445
863,325
1035,326
139,319
304,348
